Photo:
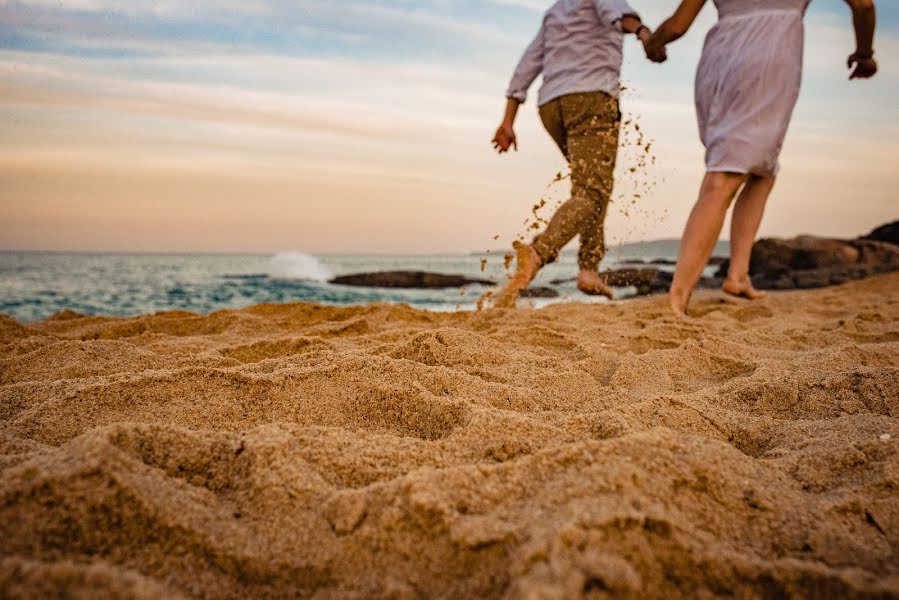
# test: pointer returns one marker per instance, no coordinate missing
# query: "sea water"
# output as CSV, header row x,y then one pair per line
x,y
35,285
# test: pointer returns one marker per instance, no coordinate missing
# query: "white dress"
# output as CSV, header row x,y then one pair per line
x,y
748,82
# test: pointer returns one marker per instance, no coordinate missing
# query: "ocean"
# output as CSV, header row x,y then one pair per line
x,y
36,285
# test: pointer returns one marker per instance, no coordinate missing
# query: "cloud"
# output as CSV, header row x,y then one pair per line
x,y
385,22
400,101
535,5
159,8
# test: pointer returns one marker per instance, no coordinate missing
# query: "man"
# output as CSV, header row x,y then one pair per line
x,y
579,52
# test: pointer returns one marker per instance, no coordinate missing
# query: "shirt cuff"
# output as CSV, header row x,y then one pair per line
x,y
517,94
617,21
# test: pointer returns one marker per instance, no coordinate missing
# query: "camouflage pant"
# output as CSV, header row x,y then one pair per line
x,y
585,127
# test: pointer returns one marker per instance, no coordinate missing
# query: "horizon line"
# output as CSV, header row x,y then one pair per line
x,y
311,253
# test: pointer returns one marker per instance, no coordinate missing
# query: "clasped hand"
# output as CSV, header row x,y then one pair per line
x,y
865,67
655,53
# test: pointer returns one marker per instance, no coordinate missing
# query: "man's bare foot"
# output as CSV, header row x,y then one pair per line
x,y
742,289
526,267
592,284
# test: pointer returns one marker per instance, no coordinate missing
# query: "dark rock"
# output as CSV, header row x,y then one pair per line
x,y
816,278
723,268
407,280
663,261
874,253
808,262
801,253
629,277
539,292
647,281
885,233
710,283
563,281
718,260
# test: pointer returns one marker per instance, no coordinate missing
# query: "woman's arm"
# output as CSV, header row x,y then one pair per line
x,y
675,26
864,20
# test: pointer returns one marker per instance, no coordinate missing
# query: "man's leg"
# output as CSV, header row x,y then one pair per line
x,y
560,229
596,142
566,223
585,127
591,125
551,116
528,258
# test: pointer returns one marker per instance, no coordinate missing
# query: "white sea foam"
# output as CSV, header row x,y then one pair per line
x,y
297,265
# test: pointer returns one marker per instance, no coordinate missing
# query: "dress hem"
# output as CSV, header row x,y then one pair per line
x,y
741,171
726,169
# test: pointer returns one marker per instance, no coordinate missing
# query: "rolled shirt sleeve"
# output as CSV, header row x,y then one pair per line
x,y
529,67
612,11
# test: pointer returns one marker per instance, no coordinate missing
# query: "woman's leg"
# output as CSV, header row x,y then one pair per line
x,y
701,235
747,217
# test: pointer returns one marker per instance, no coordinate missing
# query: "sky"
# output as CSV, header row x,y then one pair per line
x,y
364,126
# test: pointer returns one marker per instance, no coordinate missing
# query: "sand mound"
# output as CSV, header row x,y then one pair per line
x,y
379,452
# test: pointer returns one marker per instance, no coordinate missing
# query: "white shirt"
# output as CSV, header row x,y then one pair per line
x,y
578,49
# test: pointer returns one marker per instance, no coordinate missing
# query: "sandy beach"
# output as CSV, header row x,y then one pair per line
x,y
381,452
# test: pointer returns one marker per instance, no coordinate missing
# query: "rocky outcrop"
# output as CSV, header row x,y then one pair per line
x,y
408,280
647,281
802,254
811,262
776,264
885,233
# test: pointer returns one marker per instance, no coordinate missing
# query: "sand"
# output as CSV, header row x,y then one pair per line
x,y
580,451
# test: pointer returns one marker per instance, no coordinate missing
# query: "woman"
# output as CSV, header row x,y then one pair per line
x,y
747,84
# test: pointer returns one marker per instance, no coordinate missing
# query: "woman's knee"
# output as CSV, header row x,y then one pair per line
x,y
721,187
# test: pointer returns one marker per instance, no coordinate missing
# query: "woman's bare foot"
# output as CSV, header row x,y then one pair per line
x,y
592,284
526,267
678,303
742,289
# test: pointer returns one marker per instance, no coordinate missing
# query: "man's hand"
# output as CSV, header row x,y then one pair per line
x,y
505,138
865,67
